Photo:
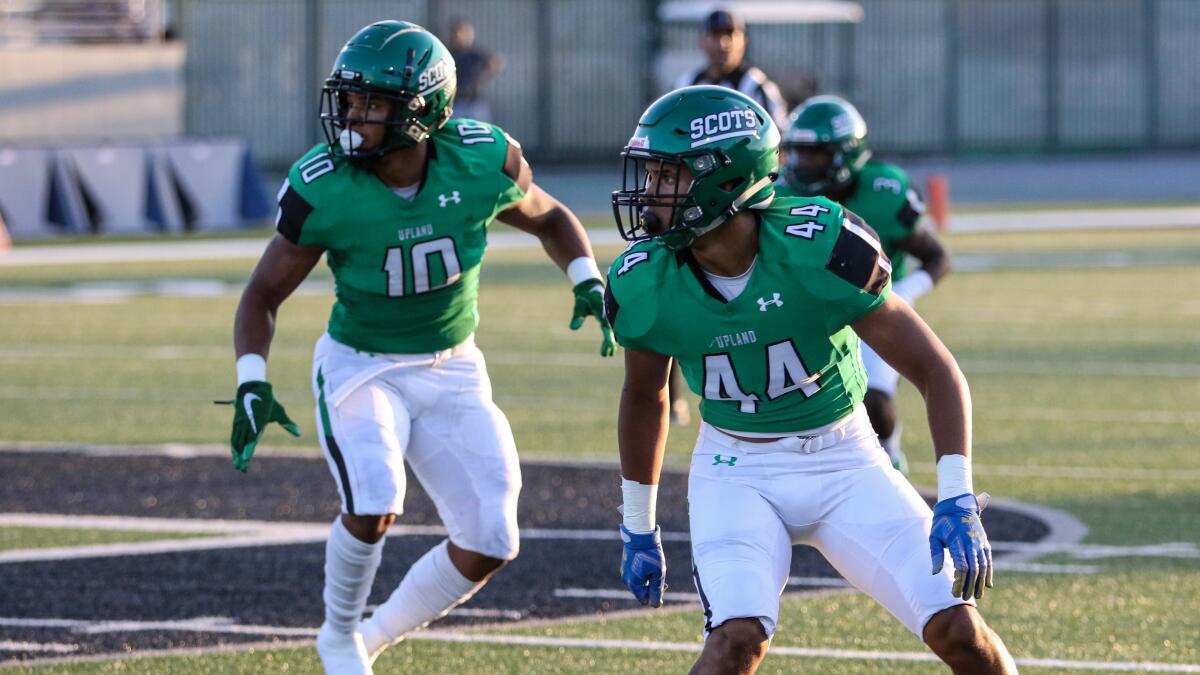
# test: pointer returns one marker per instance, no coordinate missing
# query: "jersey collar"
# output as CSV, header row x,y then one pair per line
x,y
684,257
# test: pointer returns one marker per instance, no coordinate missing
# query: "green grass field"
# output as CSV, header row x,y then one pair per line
x,y
1082,350
17,538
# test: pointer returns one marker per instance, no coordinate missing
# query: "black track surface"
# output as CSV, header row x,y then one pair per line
x,y
281,585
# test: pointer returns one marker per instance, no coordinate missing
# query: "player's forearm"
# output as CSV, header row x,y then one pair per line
x,y
253,326
948,408
563,237
937,265
642,435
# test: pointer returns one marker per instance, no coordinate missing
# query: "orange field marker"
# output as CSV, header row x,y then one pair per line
x,y
938,190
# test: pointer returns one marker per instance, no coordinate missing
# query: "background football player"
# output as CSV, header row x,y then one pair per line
x,y
825,153
398,201
762,302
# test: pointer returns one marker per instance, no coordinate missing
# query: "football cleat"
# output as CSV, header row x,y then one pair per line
x,y
375,640
342,654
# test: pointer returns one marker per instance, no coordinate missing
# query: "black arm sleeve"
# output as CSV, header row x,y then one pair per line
x,y
293,211
856,260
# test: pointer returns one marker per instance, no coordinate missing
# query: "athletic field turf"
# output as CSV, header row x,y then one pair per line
x,y
1082,350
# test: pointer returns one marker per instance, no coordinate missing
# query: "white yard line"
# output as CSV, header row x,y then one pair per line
x,y
152,524
1044,568
1174,549
1077,219
809,652
484,613
152,547
225,249
616,594
1066,533
631,645
1088,368
1132,416
49,647
210,249
1073,472
202,624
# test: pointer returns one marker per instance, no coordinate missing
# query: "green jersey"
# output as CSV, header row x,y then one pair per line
x,y
781,356
882,196
406,271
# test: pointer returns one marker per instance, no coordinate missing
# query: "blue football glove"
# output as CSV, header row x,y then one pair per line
x,y
589,301
643,566
956,526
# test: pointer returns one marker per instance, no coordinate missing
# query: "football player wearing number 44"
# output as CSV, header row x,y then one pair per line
x,y
398,201
762,300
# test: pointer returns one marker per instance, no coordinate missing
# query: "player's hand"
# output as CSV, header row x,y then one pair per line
x,y
254,408
589,301
956,526
644,566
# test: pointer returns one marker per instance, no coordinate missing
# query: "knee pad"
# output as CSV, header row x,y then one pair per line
x,y
497,537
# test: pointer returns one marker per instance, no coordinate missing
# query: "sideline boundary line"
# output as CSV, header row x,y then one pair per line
x,y
1039,220
585,643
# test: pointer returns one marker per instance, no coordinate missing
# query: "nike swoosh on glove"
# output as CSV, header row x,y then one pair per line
x,y
254,408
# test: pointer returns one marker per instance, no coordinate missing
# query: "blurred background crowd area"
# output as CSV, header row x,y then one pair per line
x,y
1062,100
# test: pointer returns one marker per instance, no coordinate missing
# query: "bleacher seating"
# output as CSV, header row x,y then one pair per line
x,y
184,185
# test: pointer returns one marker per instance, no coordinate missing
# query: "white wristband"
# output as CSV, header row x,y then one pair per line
x,y
640,503
251,368
582,269
954,477
913,285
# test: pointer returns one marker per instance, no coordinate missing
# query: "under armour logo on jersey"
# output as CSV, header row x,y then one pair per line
x,y
452,198
730,461
763,302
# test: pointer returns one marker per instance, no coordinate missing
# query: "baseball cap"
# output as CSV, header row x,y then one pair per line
x,y
723,21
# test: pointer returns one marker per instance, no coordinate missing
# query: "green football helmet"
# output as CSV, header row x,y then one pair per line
x,y
832,124
726,140
401,62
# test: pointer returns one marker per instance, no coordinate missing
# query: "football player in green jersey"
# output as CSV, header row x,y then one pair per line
x,y
825,154
399,201
762,300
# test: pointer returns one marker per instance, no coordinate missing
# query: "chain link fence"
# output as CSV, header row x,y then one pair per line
x,y
931,76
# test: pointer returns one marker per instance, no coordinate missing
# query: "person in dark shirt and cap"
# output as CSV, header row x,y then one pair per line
x,y
723,40
476,67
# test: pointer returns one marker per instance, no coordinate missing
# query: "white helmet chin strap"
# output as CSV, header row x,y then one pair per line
x,y
736,206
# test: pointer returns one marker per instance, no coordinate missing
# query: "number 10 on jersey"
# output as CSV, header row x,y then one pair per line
x,y
419,255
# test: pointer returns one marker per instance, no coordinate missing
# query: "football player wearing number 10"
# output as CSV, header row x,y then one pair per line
x,y
761,300
398,201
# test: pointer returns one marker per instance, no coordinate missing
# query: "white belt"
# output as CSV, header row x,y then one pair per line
x,y
382,363
807,442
